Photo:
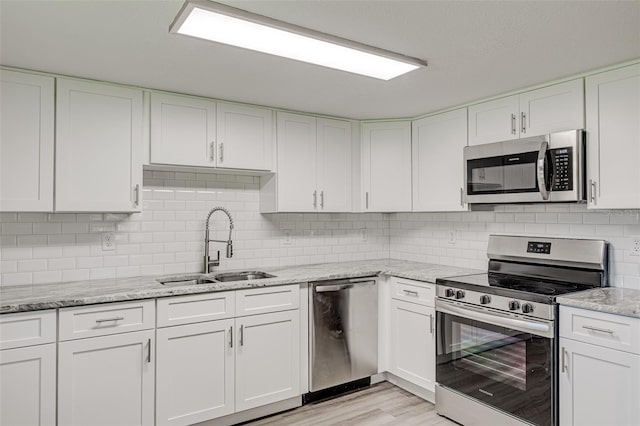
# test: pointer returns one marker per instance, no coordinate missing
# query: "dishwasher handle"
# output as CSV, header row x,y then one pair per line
x,y
337,287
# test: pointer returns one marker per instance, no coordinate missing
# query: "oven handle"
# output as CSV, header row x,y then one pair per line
x,y
544,329
542,184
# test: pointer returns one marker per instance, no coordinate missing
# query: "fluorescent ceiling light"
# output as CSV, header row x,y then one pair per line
x,y
224,24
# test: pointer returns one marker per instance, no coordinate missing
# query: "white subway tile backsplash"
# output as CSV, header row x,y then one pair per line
x,y
14,228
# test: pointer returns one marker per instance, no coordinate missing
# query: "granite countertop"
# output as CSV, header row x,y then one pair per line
x,y
613,300
51,296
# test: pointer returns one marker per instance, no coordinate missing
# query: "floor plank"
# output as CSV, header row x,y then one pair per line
x,y
382,404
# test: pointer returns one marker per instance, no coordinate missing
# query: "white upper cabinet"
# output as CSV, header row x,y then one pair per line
x,y
98,147
244,137
386,166
613,138
297,163
183,130
334,165
314,164
188,131
438,177
547,110
26,142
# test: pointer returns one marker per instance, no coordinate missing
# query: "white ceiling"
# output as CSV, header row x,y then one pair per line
x,y
475,49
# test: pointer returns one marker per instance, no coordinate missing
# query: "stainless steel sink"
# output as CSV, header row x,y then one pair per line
x,y
242,276
189,280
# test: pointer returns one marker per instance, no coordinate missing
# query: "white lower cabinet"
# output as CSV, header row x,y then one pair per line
x,y
195,372
28,385
599,383
267,359
107,380
412,343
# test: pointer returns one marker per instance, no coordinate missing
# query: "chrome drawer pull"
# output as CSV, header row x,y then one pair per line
x,y
564,363
601,330
109,319
411,293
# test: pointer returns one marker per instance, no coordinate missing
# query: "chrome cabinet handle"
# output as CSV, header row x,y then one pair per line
x,y
315,199
322,199
523,122
564,359
99,321
431,323
411,293
231,336
242,335
461,197
600,330
212,152
513,124
136,191
366,200
592,191
149,350
542,185
221,152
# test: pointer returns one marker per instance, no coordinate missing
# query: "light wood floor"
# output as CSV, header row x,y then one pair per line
x,y
381,404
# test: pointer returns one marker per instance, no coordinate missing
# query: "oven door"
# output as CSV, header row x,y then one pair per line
x,y
503,361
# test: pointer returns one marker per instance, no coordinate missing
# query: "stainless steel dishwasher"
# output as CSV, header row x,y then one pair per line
x,y
343,328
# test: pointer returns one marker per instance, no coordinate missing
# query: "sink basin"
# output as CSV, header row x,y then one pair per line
x,y
242,276
189,280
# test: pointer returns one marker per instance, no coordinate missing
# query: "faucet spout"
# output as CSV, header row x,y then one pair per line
x,y
208,263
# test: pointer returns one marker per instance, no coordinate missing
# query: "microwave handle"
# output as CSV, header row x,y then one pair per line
x,y
542,185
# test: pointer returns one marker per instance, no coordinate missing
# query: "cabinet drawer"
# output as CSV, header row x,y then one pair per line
x,y
27,329
197,308
267,299
413,291
108,318
613,331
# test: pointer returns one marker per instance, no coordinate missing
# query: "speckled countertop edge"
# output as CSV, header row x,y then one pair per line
x,y
613,300
59,295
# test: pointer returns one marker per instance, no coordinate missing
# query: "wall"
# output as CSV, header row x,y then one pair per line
x,y
425,237
168,236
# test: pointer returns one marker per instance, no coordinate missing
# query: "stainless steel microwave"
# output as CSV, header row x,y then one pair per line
x,y
547,168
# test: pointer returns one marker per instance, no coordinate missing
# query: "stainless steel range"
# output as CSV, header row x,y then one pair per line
x,y
496,336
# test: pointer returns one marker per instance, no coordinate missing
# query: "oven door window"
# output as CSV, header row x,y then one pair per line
x,y
506,369
503,174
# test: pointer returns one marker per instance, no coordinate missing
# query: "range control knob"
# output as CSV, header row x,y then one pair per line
x,y
514,305
527,308
485,299
459,294
449,292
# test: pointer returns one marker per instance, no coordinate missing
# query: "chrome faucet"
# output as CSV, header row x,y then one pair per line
x,y
208,263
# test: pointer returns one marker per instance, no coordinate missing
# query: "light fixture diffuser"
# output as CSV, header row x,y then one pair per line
x,y
224,24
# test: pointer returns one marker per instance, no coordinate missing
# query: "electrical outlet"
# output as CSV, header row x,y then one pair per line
x,y
363,235
635,249
108,241
452,237
287,237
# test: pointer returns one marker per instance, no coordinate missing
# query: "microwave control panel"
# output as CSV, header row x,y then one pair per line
x,y
562,159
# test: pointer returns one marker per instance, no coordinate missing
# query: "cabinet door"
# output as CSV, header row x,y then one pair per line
x,y
107,380
334,165
494,121
412,346
183,130
267,359
297,170
195,372
552,109
28,385
98,147
26,142
438,167
245,137
598,386
386,166
613,138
